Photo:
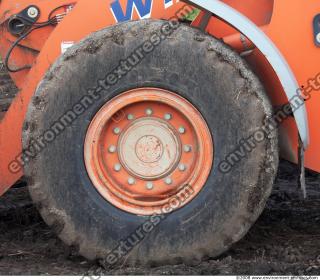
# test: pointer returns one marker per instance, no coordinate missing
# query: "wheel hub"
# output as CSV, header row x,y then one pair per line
x,y
144,146
149,148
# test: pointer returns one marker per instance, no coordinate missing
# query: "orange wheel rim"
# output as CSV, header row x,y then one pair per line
x,y
144,147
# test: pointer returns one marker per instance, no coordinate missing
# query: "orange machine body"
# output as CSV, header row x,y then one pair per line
x,y
289,24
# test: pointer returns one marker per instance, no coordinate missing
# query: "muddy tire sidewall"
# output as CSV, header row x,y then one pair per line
x,y
197,67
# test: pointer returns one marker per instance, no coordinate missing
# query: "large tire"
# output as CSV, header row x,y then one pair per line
x,y
197,67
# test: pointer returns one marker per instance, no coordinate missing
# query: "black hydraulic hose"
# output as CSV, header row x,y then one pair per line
x,y
16,43
51,21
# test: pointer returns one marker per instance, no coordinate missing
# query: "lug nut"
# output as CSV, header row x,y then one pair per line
x,y
187,148
117,130
130,117
168,181
117,167
167,117
182,130
131,181
149,112
182,167
149,186
112,149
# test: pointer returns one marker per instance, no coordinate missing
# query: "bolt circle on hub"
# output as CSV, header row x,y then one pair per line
x,y
150,157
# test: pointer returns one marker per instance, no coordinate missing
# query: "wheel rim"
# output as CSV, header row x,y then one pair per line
x,y
145,148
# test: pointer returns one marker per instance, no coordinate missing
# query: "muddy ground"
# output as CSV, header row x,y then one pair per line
x,y
285,240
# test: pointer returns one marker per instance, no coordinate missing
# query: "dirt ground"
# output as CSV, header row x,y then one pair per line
x,y
285,240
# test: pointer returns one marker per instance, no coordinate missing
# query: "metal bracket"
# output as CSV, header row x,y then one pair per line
x,y
20,23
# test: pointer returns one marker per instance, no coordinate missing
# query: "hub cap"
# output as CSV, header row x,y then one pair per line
x,y
144,146
149,148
